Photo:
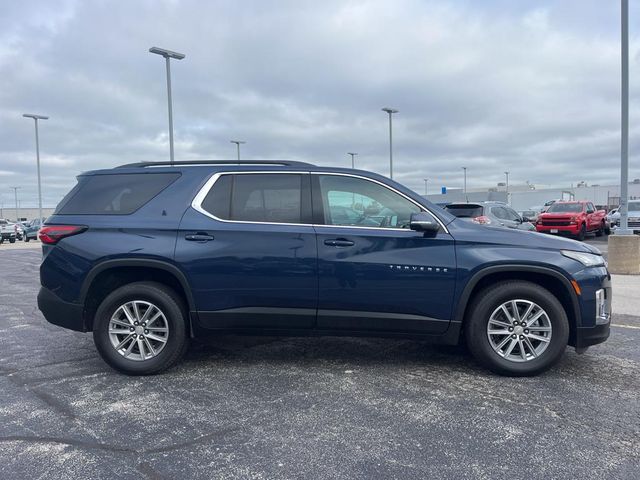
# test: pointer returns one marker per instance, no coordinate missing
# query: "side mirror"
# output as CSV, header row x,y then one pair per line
x,y
526,219
423,222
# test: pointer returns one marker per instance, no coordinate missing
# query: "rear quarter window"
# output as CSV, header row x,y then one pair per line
x,y
118,194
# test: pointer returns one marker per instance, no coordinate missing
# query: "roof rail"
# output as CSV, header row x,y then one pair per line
x,y
284,163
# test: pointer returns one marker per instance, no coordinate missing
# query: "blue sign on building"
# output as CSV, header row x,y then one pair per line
x,y
443,190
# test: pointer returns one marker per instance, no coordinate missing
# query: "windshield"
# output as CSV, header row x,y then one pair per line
x,y
633,206
565,208
464,211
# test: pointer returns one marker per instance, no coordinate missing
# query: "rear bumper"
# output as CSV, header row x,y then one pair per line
x,y
61,313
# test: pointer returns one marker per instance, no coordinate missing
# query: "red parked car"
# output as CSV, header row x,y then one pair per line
x,y
574,219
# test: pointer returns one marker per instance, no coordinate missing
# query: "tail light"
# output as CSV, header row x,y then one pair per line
x,y
482,220
52,234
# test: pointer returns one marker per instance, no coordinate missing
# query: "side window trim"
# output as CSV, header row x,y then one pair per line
x,y
316,200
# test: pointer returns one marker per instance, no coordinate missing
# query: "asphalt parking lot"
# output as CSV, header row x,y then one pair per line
x,y
305,408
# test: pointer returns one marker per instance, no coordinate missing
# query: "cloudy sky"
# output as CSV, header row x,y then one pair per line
x,y
527,86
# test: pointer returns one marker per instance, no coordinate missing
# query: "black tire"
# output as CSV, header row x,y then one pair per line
x,y
601,230
12,240
174,311
479,313
26,239
583,232
607,230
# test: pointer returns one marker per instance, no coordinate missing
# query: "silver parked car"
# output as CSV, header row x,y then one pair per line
x,y
497,214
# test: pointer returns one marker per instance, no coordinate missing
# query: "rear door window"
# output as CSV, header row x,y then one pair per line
x,y
265,198
118,194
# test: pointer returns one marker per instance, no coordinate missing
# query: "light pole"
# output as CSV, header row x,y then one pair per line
x,y
507,189
168,55
465,179
353,162
36,118
238,143
390,111
624,144
15,196
426,188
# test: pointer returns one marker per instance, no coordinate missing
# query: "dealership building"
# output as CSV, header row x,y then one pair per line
x,y
531,197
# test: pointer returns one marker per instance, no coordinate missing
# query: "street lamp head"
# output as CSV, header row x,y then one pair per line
x,y
167,53
34,116
390,110
352,153
238,142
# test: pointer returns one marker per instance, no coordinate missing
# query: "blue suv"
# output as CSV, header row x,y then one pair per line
x,y
149,255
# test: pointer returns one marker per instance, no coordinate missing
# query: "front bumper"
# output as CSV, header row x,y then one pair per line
x,y
586,337
61,313
558,230
595,308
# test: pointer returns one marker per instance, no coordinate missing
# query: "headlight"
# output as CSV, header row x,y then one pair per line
x,y
587,259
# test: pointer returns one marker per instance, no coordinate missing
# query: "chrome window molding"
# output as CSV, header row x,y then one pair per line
x,y
196,204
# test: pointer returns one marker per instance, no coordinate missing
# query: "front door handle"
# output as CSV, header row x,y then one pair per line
x,y
339,242
198,237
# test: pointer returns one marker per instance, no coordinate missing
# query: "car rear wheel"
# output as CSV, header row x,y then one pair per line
x,y
582,233
601,231
140,328
12,240
517,328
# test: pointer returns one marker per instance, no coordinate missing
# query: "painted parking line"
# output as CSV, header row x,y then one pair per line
x,y
626,326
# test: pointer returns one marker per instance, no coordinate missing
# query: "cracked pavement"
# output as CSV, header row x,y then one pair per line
x,y
337,408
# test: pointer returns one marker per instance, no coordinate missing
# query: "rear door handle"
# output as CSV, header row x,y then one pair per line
x,y
339,242
198,237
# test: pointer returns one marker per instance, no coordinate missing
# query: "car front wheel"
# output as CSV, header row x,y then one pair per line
x,y
517,328
140,328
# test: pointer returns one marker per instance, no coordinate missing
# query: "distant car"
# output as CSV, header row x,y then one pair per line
x,y
31,230
613,217
530,215
19,229
633,213
575,219
7,231
496,214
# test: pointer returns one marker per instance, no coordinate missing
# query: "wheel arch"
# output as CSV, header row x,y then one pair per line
x,y
554,281
111,274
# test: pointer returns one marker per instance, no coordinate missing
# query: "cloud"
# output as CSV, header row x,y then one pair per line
x,y
532,87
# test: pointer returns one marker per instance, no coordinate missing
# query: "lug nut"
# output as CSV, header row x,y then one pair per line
x,y
514,336
526,331
131,329
136,323
146,332
135,336
510,329
521,337
141,337
144,324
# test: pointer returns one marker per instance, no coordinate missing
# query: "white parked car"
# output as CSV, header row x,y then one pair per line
x,y
613,217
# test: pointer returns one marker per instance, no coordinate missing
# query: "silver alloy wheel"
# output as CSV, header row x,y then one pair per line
x,y
519,330
138,330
